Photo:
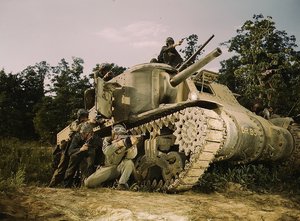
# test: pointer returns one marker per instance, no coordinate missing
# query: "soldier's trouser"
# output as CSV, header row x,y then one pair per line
x,y
59,173
106,173
74,163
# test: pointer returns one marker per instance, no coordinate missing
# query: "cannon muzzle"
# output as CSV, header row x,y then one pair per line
x,y
181,76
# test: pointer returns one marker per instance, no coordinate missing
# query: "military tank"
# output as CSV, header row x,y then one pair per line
x,y
188,121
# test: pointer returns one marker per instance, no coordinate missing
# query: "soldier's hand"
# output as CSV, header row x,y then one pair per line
x,y
134,140
120,143
180,42
84,147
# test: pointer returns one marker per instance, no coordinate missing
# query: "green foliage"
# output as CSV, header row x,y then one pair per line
x,y
13,182
65,97
23,163
256,177
265,65
41,100
192,47
19,95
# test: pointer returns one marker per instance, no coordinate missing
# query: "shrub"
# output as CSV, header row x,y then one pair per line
x,y
256,177
23,163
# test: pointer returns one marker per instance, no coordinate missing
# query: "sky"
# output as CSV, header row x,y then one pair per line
x,y
125,32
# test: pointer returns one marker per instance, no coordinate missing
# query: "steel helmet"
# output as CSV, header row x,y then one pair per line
x,y
104,67
86,127
82,113
119,129
170,40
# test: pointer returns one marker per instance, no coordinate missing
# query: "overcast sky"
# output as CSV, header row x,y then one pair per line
x,y
125,32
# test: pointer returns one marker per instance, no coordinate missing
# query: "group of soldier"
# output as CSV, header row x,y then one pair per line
x,y
87,159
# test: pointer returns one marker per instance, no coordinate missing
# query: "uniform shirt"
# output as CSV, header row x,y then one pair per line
x,y
113,152
76,143
169,55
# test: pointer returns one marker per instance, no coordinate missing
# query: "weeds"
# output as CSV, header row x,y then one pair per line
x,y
256,177
22,163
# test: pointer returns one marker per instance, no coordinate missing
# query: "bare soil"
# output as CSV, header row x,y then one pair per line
x,y
37,203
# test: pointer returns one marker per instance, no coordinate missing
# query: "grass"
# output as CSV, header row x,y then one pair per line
x,y
23,163
257,177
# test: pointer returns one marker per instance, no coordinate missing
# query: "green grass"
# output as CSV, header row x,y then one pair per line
x,y
23,163
255,177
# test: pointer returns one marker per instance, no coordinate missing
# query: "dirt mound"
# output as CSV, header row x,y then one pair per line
x,y
34,203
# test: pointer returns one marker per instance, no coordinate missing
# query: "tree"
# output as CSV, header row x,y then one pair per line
x,y
192,47
265,65
33,92
10,105
64,99
19,94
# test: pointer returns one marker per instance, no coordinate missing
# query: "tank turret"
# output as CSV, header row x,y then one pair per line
x,y
143,88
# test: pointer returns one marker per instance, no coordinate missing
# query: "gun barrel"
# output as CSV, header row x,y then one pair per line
x,y
192,58
181,76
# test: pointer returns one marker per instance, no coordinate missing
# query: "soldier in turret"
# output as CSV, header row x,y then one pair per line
x,y
169,55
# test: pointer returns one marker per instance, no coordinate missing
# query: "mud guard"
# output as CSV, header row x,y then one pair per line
x,y
104,95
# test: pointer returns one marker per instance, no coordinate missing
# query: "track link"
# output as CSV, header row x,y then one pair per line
x,y
200,133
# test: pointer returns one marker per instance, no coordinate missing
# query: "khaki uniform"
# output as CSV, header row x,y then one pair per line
x,y
118,163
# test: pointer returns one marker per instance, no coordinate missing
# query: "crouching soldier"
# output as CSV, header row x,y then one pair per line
x,y
61,151
82,148
119,150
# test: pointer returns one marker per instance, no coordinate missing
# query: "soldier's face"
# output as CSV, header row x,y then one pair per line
x,y
84,119
170,42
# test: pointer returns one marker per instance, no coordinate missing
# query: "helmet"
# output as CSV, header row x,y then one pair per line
x,y
170,40
105,67
119,129
82,113
86,127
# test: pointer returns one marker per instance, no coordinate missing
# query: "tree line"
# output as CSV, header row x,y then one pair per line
x,y
41,100
265,67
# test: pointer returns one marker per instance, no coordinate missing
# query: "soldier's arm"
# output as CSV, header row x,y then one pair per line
x,y
168,48
75,145
109,146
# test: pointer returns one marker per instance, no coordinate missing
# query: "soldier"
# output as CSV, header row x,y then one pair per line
x,y
267,112
119,150
61,151
82,148
169,55
82,116
104,72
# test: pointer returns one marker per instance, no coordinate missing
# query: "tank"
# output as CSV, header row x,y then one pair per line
x,y
188,121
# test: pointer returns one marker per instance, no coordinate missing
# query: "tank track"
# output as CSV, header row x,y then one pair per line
x,y
199,133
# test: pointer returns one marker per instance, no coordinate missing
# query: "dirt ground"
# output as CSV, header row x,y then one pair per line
x,y
37,203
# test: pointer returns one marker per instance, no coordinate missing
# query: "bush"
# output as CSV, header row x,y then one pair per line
x,y
13,182
256,177
23,163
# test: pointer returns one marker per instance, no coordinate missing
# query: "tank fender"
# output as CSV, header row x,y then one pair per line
x,y
282,121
